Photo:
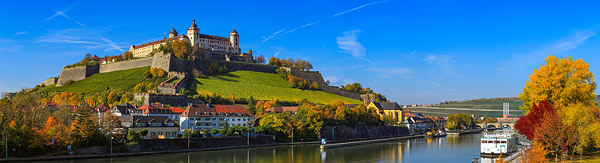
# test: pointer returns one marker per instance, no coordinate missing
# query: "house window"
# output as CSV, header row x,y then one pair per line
x,y
140,124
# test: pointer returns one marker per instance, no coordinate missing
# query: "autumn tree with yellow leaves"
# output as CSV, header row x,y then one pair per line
x,y
562,81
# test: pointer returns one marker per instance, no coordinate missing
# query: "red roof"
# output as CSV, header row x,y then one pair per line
x,y
177,110
102,108
154,108
159,41
231,109
204,110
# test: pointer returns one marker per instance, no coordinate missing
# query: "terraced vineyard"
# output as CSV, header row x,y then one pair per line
x,y
124,80
261,86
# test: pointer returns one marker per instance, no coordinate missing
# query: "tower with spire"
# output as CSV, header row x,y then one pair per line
x,y
193,32
173,33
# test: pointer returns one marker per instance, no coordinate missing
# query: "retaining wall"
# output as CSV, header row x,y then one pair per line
x,y
315,76
124,65
76,73
171,99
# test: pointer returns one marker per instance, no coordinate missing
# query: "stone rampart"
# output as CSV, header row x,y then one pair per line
x,y
170,99
124,65
315,76
76,73
50,81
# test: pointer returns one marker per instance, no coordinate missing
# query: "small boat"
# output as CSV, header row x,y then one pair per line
x,y
435,133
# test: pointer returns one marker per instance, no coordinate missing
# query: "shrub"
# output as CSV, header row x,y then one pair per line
x,y
144,132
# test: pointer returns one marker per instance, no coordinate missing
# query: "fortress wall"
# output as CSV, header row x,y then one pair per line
x,y
162,61
124,65
150,98
76,73
237,66
315,76
50,81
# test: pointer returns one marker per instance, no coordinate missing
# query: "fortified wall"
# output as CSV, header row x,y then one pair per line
x,y
170,63
170,99
125,65
315,76
76,73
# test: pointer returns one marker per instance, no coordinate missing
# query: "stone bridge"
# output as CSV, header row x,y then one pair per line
x,y
511,125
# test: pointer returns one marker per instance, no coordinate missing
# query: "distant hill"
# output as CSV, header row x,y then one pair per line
x,y
478,107
261,86
124,80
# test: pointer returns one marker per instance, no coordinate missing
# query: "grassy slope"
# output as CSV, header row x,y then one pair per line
x,y
97,83
261,86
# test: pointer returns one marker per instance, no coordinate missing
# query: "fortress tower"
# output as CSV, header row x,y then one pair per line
x,y
193,32
173,33
234,38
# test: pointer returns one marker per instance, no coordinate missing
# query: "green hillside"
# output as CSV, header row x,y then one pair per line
x,y
98,83
261,86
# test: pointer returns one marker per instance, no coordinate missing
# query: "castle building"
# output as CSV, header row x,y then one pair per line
x,y
208,42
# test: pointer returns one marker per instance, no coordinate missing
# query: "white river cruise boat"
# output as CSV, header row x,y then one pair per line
x,y
499,142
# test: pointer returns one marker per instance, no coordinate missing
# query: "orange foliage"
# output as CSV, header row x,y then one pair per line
x,y
66,98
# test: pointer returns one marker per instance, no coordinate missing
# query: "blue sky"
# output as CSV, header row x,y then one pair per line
x,y
411,51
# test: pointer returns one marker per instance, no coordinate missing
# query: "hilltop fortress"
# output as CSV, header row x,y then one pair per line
x,y
206,49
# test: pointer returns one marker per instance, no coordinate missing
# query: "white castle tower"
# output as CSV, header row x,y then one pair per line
x,y
193,32
234,38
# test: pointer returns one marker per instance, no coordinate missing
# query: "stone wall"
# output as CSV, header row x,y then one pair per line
x,y
315,76
170,99
360,131
76,73
50,81
124,65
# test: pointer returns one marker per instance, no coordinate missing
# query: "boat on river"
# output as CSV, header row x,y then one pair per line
x,y
435,133
499,142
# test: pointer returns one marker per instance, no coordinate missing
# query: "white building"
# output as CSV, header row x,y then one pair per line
x,y
200,117
209,42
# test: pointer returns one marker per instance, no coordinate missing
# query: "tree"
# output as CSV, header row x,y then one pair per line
x,y
260,59
460,121
535,154
526,125
314,86
181,49
585,120
196,133
128,55
553,135
561,81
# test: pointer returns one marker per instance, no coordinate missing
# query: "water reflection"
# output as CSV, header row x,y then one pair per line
x,y
445,149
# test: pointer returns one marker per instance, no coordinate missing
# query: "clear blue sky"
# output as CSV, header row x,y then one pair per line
x,y
411,51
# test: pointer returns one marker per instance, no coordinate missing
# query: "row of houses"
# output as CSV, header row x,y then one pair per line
x,y
166,122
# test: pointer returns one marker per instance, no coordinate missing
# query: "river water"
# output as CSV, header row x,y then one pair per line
x,y
460,149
